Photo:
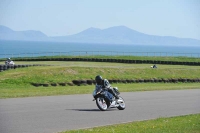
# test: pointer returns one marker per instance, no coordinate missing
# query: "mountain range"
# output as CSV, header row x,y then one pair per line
x,y
112,35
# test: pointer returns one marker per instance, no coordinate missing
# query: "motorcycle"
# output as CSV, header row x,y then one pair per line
x,y
104,99
9,63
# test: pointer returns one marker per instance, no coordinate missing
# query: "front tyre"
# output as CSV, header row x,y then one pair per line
x,y
101,104
121,103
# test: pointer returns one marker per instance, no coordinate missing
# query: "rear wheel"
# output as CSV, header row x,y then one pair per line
x,y
101,104
121,103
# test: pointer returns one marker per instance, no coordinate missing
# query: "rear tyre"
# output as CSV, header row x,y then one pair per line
x,y
101,104
121,103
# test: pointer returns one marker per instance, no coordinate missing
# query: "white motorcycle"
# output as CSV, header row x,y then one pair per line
x,y
9,63
105,99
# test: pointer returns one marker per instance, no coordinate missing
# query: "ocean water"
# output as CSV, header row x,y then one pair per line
x,y
33,49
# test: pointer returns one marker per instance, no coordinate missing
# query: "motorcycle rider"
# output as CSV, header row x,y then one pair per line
x,y
8,60
104,83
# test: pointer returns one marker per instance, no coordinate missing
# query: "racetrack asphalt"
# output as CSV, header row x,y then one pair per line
x,y
52,114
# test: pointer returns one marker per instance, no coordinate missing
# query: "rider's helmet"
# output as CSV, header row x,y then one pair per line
x,y
98,79
8,59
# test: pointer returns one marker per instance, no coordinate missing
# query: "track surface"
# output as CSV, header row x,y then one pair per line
x,y
59,113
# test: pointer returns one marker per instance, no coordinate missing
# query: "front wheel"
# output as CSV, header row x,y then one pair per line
x,y
101,104
121,103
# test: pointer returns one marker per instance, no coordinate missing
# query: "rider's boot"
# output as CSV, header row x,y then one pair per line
x,y
116,97
114,94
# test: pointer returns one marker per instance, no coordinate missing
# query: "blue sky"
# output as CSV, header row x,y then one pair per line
x,y
179,18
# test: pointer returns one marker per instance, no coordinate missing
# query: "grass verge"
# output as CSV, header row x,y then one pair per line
x,y
10,91
180,124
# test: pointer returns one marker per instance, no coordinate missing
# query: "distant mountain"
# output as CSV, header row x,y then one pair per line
x,y
112,35
29,35
124,35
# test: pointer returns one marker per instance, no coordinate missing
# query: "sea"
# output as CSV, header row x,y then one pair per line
x,y
10,49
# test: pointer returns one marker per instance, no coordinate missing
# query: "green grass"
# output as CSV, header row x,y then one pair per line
x,y
180,124
68,71
17,82
12,91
